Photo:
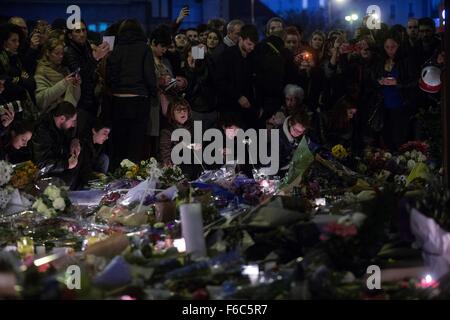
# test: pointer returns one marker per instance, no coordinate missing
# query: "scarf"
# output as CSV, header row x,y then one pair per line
x,y
52,72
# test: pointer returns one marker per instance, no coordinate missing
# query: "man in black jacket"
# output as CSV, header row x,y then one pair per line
x,y
79,55
54,146
234,78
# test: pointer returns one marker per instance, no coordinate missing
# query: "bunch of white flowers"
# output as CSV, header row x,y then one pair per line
x,y
152,168
411,158
54,197
6,170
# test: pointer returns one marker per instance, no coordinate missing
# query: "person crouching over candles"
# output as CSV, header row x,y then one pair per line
x,y
179,117
291,133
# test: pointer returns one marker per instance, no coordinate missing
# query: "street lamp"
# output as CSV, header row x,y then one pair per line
x,y
351,19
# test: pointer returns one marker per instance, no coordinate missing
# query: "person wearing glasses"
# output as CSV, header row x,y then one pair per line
x,y
79,56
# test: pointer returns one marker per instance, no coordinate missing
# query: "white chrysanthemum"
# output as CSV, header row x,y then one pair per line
x,y
411,164
59,204
127,164
401,159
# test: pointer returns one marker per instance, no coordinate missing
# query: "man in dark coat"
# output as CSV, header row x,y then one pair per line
x,y
234,80
54,145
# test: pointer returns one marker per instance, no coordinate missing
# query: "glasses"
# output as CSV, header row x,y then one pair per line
x,y
180,110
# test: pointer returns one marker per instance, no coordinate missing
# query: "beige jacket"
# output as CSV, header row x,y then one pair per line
x,y
49,94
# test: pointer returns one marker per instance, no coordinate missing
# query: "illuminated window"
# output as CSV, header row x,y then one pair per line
x,y
305,4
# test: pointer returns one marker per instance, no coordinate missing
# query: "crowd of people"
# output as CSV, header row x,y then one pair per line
x,y
63,92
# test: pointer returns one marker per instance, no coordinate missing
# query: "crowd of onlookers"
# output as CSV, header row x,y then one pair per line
x,y
64,93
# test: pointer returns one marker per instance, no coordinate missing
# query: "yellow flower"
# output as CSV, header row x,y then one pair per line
x,y
339,151
129,174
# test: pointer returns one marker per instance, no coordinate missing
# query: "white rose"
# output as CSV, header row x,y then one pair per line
x,y
59,204
411,164
53,192
387,155
407,154
414,154
127,164
42,208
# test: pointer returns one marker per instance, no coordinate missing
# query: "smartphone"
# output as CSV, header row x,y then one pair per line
x,y
198,53
76,73
186,8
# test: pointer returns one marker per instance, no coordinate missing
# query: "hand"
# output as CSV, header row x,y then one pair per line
x,y
7,117
73,161
75,147
71,79
191,62
244,103
24,75
388,81
184,12
35,40
101,51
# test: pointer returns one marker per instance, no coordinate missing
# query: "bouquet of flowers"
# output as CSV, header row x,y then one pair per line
x,y
127,169
24,174
52,202
171,175
6,170
412,153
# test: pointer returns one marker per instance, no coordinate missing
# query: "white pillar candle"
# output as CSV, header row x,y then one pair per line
x,y
192,229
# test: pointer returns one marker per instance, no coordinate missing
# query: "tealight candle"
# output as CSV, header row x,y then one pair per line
x,y
25,246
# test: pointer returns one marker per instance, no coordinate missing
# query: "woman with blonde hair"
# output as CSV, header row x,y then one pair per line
x,y
54,83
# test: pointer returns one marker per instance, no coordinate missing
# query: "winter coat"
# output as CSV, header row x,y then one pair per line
x,y
233,79
131,67
51,88
76,56
50,145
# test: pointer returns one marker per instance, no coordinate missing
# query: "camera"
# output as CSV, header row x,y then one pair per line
x,y
14,105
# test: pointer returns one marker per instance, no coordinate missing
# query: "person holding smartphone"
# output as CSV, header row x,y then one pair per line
x,y
54,82
397,86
